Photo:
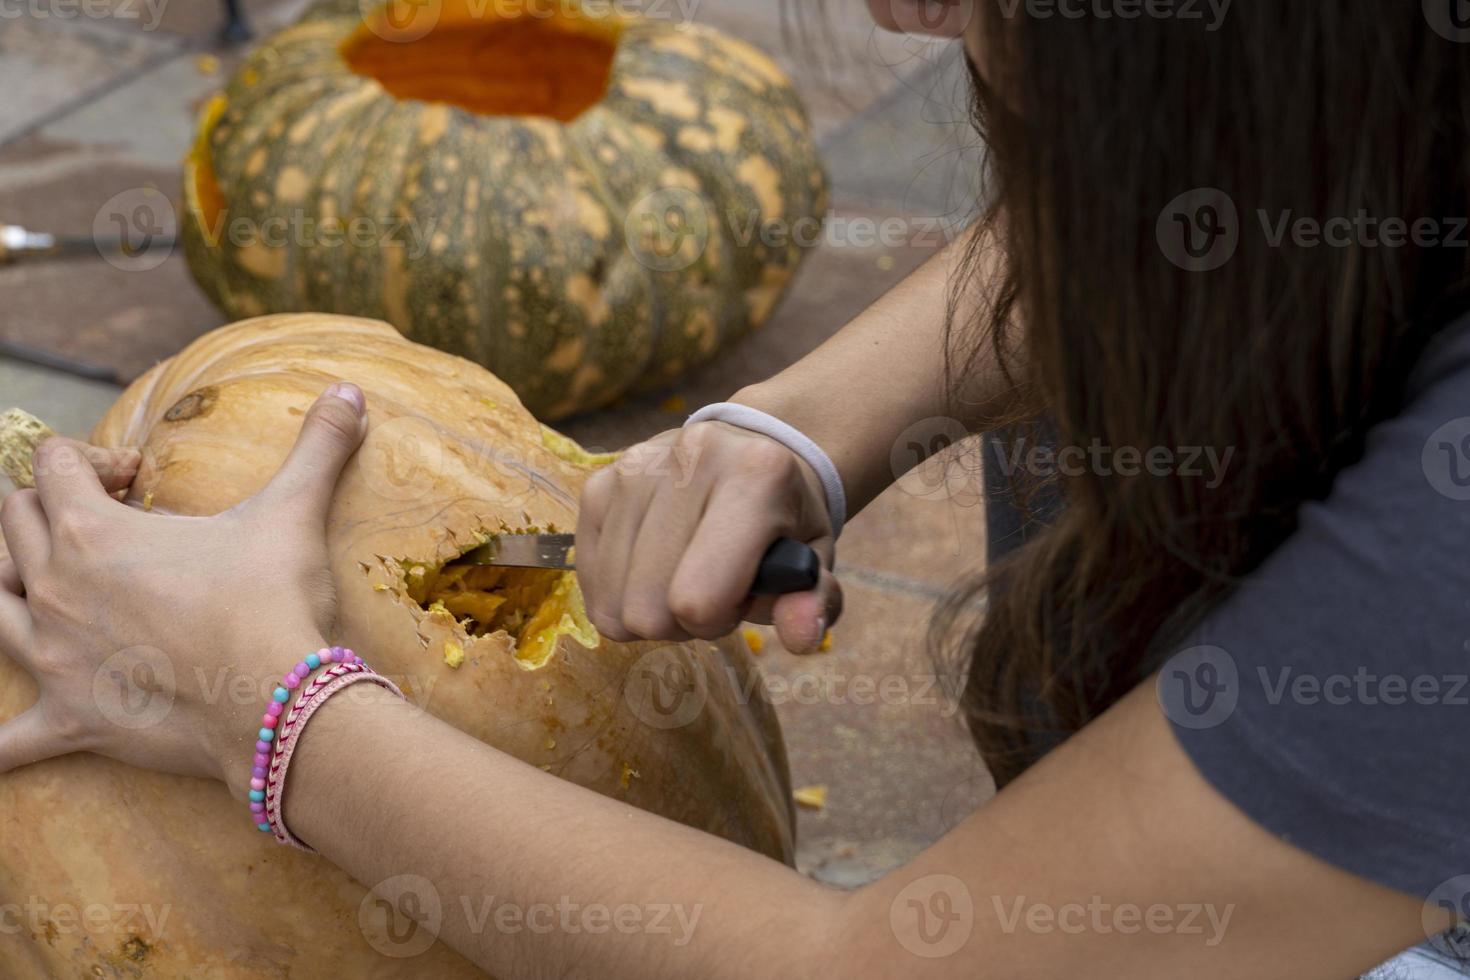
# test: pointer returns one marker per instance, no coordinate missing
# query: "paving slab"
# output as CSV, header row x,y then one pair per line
x,y
69,404
123,317
915,150
147,120
199,21
926,533
114,158
877,723
49,63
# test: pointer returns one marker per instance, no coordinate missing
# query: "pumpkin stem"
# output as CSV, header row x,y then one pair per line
x,y
20,434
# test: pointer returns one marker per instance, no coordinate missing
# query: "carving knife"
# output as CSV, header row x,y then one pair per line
x,y
787,566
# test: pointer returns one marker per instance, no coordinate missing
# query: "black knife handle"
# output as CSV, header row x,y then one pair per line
x,y
787,566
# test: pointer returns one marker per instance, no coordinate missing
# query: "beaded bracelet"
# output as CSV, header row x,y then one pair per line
x,y
274,731
266,737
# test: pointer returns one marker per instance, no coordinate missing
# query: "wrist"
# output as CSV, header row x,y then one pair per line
x,y
846,447
821,475
353,717
801,413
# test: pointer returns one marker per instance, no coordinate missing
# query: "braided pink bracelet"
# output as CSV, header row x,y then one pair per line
x,y
278,734
320,691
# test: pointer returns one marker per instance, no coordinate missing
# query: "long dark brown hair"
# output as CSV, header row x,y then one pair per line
x,y
1283,356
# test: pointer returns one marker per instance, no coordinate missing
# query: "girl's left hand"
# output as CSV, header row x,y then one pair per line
x,y
136,626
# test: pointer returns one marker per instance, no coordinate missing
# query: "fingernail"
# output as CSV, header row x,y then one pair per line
x,y
349,393
816,643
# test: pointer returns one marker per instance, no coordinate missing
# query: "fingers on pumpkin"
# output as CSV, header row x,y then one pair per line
x,y
113,469
27,532
10,578
67,480
15,626
27,739
116,468
333,430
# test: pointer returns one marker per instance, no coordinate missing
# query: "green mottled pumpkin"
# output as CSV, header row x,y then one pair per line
x,y
588,203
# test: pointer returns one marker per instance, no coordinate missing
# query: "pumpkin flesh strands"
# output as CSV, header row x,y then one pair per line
x,y
534,606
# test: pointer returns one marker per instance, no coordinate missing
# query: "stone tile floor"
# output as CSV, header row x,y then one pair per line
x,y
101,106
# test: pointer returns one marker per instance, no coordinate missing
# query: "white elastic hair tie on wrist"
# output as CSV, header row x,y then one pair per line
x,y
745,417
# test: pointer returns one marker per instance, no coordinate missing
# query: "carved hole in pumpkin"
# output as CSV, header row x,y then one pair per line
x,y
534,605
537,60
201,188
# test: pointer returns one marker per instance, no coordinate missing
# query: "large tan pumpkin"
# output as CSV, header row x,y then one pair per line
x,y
450,456
586,202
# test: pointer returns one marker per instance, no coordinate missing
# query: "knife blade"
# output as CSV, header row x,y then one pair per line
x,y
787,566
524,551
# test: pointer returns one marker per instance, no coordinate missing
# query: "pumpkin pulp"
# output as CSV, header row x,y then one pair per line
x,y
528,60
537,606
199,180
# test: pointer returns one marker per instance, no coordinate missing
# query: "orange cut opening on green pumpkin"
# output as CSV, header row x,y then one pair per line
x,y
537,606
200,185
522,59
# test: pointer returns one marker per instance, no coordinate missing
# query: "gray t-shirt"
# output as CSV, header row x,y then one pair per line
x,y
1329,696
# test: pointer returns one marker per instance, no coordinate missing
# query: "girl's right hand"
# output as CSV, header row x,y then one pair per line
x,y
670,537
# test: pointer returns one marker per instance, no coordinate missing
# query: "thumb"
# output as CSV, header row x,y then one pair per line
x,y
333,430
803,618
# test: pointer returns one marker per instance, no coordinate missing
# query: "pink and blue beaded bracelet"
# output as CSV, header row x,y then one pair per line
x,y
280,729
265,744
